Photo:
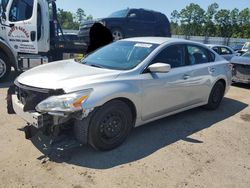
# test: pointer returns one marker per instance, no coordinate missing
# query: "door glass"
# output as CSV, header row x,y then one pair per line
x,y
197,55
39,22
225,51
216,49
173,55
21,10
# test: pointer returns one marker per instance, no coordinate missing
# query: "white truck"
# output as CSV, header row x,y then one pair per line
x,y
29,35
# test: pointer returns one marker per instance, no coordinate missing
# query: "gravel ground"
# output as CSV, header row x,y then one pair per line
x,y
197,148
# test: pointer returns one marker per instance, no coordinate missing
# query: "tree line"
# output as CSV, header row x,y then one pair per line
x,y
213,22
70,20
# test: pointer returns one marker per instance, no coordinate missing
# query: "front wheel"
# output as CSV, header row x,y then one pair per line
x,y
215,96
110,125
5,67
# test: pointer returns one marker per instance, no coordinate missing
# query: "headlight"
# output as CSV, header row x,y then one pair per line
x,y
64,103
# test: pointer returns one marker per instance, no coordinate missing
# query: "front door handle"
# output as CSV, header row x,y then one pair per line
x,y
33,36
186,76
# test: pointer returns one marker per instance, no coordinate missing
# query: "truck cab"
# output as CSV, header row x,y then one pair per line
x,y
29,35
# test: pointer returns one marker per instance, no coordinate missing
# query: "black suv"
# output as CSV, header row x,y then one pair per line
x,y
131,23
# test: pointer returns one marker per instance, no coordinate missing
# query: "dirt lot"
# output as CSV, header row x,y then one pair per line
x,y
196,148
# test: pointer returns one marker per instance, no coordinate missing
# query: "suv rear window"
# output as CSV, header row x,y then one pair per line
x,y
148,16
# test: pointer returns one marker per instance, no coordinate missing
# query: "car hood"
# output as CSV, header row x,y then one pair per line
x,y
240,60
67,75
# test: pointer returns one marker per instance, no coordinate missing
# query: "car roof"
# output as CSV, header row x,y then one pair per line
x,y
216,45
158,40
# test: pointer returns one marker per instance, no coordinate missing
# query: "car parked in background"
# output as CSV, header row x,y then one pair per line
x,y
120,86
237,47
225,51
72,43
131,23
246,47
241,68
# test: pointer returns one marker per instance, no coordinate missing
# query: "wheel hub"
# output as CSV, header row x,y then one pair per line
x,y
117,35
111,126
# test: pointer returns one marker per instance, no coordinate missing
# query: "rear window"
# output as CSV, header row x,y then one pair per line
x,y
148,16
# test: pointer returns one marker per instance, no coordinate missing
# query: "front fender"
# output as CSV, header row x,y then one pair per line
x,y
107,92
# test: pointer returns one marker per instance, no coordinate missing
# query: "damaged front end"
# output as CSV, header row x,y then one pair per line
x,y
46,110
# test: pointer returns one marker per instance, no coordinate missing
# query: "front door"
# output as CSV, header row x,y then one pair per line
x,y
22,15
167,92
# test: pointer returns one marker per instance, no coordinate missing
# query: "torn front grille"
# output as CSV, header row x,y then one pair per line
x,y
30,97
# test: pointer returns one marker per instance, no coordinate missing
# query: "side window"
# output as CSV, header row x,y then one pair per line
x,y
148,16
134,14
225,51
211,56
217,50
21,10
197,55
39,22
173,55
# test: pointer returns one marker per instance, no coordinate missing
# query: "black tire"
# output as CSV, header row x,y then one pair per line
x,y
117,34
215,96
5,67
110,125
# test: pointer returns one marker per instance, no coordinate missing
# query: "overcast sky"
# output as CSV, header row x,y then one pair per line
x,y
103,8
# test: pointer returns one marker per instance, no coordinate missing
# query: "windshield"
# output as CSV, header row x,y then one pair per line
x,y
247,54
3,3
246,46
120,55
119,14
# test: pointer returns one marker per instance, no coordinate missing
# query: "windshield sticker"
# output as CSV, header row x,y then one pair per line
x,y
143,45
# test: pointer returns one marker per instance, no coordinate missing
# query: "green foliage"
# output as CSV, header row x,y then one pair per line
x,y
72,21
193,20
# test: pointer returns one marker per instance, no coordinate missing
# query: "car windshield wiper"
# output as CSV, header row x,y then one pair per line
x,y
95,65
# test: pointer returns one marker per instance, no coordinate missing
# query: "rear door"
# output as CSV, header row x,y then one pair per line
x,y
22,14
148,22
202,71
134,25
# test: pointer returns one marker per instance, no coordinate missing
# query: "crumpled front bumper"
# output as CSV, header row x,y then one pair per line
x,y
33,118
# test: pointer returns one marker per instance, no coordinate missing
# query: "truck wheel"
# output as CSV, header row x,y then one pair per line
x,y
215,96
117,34
110,125
5,67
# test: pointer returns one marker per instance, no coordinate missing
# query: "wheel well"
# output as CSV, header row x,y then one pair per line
x,y
223,82
131,106
7,52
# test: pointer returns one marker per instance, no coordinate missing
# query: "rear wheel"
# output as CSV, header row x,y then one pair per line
x,y
216,96
5,67
117,34
110,125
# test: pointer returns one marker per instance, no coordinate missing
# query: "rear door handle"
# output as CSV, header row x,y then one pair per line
x,y
212,69
185,77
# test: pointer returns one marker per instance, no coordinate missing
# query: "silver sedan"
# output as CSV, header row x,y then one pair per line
x,y
123,85
225,51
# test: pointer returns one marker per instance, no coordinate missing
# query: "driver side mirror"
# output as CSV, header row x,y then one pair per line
x,y
159,68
